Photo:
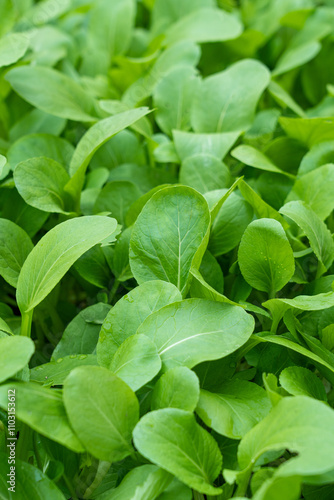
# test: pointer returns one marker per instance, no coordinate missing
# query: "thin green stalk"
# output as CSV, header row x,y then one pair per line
x,y
102,470
113,290
70,488
198,495
26,323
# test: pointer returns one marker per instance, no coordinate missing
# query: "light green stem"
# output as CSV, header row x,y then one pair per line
x,y
26,323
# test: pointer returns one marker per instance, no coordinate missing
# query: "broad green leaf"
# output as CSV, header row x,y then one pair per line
x,y
316,231
173,98
195,330
217,198
111,413
205,173
143,483
315,188
108,34
265,256
36,145
4,328
12,47
261,208
255,158
55,253
117,197
310,131
300,424
15,246
136,361
204,25
172,439
167,12
170,236
4,167
15,353
30,482
128,314
177,388
55,372
238,407
296,56
229,224
39,85
190,144
93,139
41,182
82,333
43,410
300,381
226,101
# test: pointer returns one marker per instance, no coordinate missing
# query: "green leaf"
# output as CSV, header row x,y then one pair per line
x,y
226,101
204,25
195,330
15,353
229,224
39,85
15,246
30,482
55,253
43,410
300,424
55,372
36,145
129,312
120,263
204,173
167,12
316,231
170,236
108,35
136,361
172,439
173,98
93,139
143,483
12,48
238,407
265,256
315,188
111,415
41,182
255,158
190,144
92,266
300,381
117,197
310,131
177,388
82,333
201,289
261,208
285,342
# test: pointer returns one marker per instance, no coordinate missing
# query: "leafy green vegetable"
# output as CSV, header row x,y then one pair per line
x,y
265,256
110,401
166,242
170,236
172,439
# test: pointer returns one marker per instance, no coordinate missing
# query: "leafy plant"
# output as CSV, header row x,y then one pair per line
x,y
166,250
